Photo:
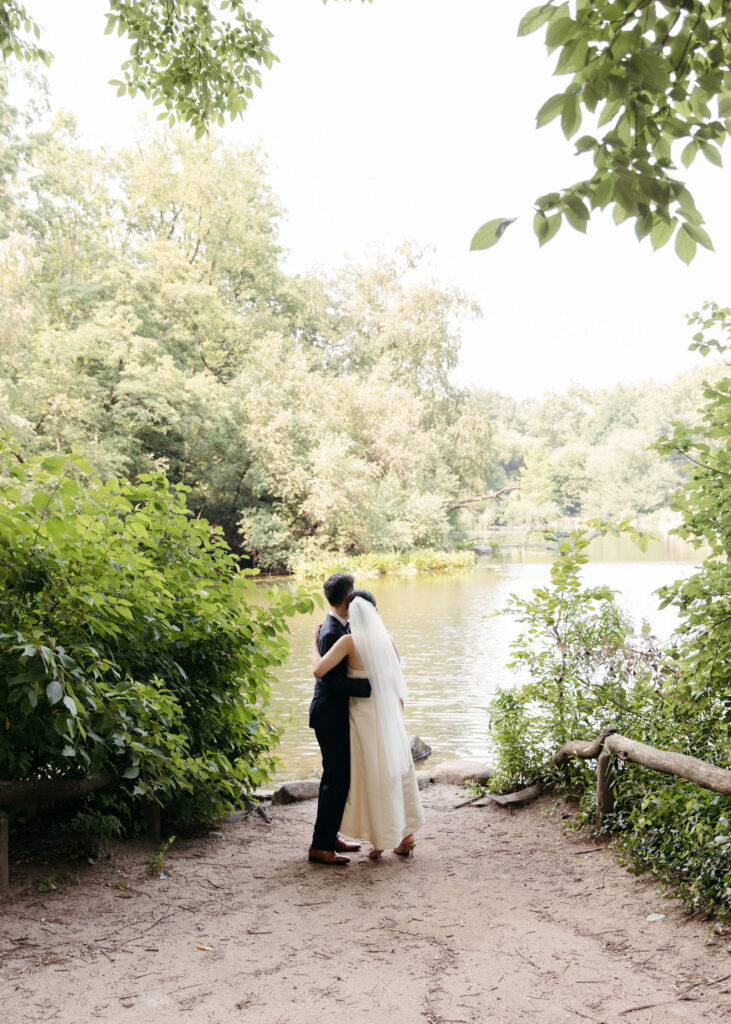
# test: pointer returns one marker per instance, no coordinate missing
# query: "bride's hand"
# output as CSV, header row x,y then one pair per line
x,y
316,632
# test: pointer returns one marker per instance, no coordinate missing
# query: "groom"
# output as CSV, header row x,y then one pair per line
x,y
329,718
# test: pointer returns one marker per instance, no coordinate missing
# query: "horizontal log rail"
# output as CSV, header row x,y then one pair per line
x,y
15,791
610,743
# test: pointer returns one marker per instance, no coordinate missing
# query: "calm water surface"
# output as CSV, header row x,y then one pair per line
x,y
454,651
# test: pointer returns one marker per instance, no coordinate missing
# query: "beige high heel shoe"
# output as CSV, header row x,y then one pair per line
x,y
375,854
406,847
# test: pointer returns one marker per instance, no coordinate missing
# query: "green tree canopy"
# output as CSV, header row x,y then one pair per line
x,y
653,80
198,59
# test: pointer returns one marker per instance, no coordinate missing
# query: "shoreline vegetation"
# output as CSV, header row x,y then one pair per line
x,y
384,563
487,544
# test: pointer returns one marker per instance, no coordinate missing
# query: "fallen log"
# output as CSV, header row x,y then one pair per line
x,y
609,742
519,798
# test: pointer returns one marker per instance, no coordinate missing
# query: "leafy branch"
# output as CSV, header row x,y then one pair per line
x,y
649,80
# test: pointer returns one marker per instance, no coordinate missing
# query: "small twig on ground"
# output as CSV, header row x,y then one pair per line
x,y
264,813
524,957
680,997
472,799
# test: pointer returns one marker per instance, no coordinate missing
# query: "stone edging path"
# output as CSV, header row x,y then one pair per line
x,y
499,918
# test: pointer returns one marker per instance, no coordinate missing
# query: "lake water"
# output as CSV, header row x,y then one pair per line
x,y
454,651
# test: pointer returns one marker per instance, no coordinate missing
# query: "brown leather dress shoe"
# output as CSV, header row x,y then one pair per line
x,y
327,857
343,846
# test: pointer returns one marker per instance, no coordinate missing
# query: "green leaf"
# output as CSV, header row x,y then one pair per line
x,y
41,500
579,223
573,57
570,115
71,705
490,233
56,528
540,225
560,31
132,772
54,691
661,233
550,109
685,245
689,153
699,235
535,18
711,154
55,463
554,223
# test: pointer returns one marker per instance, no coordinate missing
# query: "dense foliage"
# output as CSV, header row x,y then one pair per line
x,y
580,666
652,77
649,75
590,453
149,324
129,638
197,59
587,669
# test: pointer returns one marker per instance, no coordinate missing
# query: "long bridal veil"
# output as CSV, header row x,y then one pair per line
x,y
388,688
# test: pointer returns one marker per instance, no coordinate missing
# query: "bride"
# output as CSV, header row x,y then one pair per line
x,y
383,801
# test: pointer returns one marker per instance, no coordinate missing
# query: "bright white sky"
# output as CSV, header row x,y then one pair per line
x,y
415,119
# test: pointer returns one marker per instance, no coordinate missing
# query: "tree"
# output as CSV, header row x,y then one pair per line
x,y
149,325
650,75
199,63
198,59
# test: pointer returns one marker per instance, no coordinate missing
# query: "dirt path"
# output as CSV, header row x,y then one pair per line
x,y
499,918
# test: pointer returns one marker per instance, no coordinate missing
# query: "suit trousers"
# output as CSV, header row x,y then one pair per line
x,y
334,786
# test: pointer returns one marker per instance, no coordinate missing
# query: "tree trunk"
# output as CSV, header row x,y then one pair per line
x,y
4,870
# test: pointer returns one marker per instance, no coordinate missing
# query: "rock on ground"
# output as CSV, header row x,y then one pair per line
x,y
456,773
293,792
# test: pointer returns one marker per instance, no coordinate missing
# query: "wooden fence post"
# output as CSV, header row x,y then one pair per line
x,y
4,867
604,791
152,820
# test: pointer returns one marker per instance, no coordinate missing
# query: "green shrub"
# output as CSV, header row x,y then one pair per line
x,y
586,670
677,830
129,637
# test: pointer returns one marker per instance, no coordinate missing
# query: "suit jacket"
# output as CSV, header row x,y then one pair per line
x,y
329,707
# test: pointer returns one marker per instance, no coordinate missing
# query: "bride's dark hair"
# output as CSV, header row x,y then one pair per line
x,y
365,594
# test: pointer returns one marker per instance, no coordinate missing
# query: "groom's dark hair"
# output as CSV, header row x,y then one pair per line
x,y
365,594
337,587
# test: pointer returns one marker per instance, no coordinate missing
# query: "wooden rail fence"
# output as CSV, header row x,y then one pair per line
x,y
610,743
18,791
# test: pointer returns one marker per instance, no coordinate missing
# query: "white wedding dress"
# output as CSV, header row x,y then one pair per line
x,y
381,807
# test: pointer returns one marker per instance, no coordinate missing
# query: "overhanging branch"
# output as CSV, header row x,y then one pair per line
x,y
496,495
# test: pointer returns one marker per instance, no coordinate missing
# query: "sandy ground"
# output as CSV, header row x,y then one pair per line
x,y
499,918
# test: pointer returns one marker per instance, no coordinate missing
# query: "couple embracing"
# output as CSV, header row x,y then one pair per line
x,y
368,786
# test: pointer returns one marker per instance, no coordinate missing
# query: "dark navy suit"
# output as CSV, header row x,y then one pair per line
x,y
330,720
